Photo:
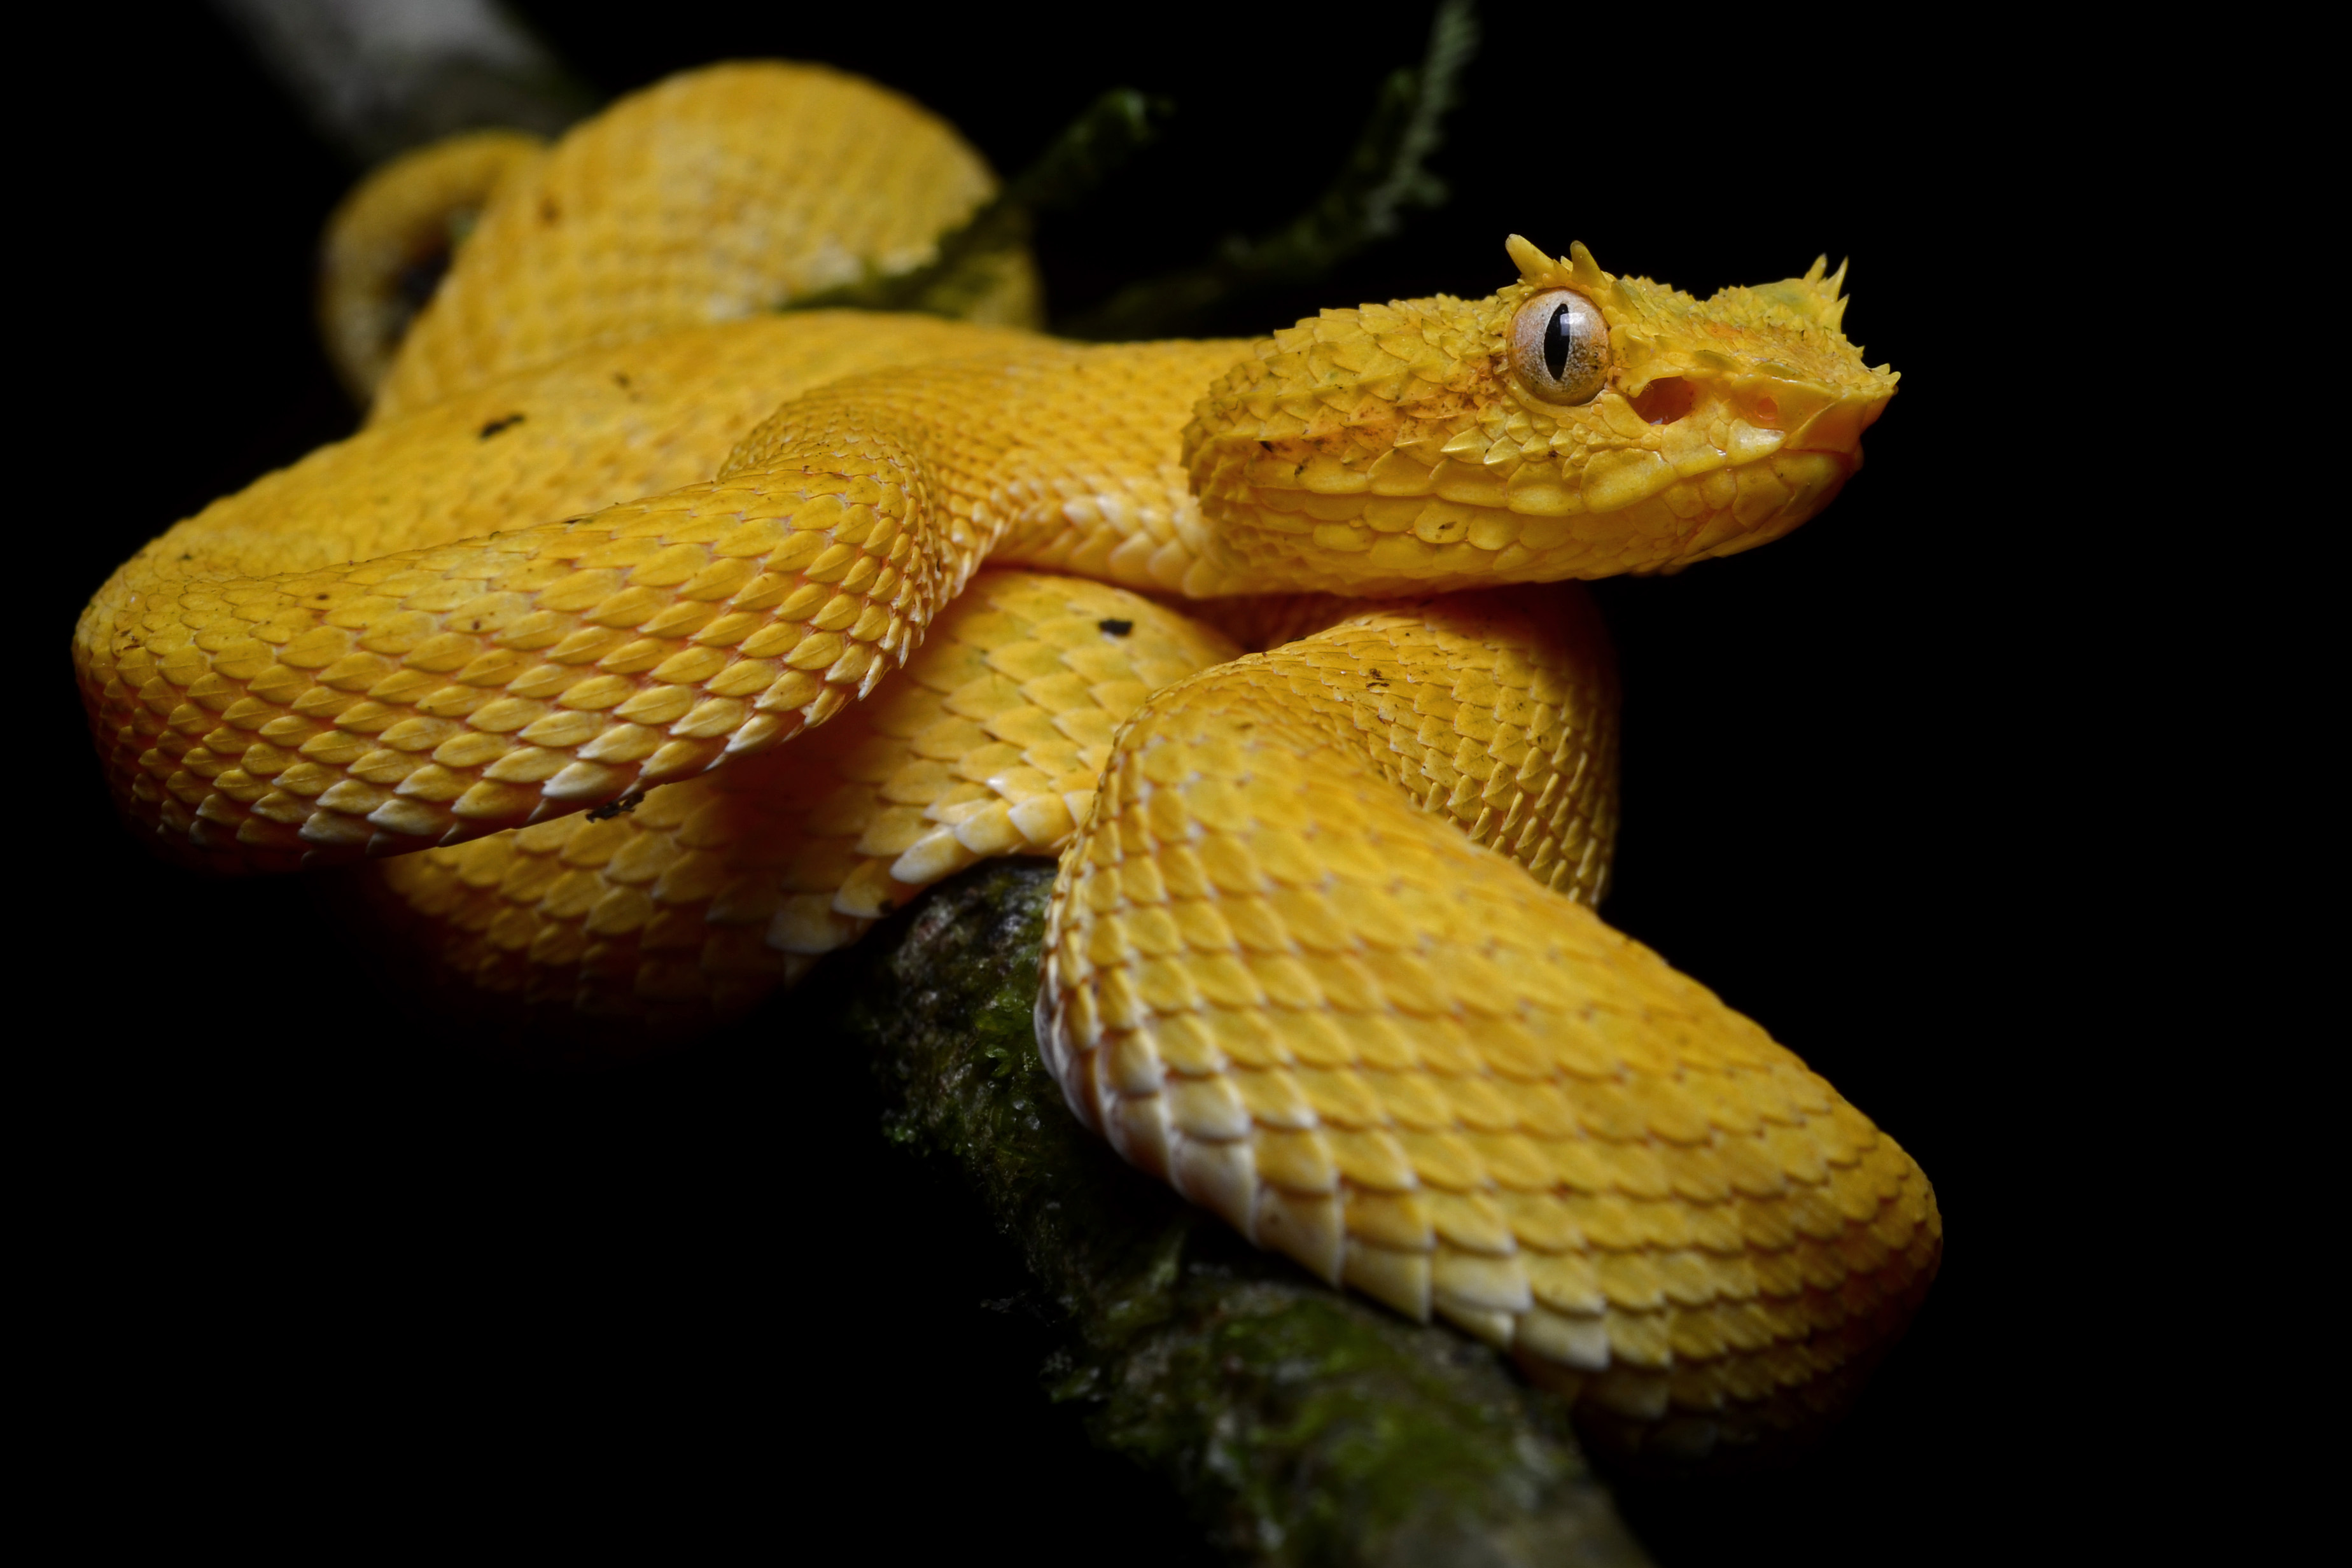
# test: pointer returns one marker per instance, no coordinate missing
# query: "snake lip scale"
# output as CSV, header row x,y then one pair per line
x,y
652,644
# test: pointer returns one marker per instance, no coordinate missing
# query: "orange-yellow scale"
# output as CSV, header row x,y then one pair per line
x,y
839,604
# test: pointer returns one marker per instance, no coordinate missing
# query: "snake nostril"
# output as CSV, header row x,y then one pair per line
x,y
1665,400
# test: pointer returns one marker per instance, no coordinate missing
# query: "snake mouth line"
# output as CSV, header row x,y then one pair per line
x,y
1835,431
1847,458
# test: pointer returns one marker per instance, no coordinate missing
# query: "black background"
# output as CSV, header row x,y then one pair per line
x,y
300,1245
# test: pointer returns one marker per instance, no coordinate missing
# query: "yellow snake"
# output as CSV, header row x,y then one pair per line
x,y
1321,953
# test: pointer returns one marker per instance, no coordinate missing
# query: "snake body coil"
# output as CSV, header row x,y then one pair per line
x,y
1322,953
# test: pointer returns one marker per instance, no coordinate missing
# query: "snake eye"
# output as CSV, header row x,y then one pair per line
x,y
1559,346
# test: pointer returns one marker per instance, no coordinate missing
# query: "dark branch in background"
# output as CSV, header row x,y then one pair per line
x,y
1112,130
1295,1424
1385,177
376,80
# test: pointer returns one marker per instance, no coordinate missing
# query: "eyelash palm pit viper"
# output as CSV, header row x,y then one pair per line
x,y
645,742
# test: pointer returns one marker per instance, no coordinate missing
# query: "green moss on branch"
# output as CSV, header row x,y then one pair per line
x,y
1299,1424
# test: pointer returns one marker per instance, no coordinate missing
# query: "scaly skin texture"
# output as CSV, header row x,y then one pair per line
x,y
1391,447
1417,1070
1322,953
715,891
699,902
689,203
257,761
405,220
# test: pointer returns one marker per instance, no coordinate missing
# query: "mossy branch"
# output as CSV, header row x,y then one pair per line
x,y
1386,176
1299,1424
1111,131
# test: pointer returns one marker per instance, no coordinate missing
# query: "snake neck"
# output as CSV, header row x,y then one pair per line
x,y
1055,456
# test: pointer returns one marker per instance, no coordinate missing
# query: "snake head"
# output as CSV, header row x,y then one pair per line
x,y
1574,424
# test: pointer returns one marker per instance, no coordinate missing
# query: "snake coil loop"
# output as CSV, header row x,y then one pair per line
x,y
657,644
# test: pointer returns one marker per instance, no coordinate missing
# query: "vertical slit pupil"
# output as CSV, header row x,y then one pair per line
x,y
1559,336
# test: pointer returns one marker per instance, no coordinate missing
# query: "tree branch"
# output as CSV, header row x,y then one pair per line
x,y
1299,1424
